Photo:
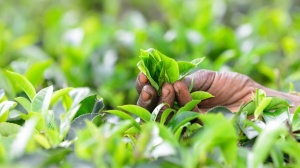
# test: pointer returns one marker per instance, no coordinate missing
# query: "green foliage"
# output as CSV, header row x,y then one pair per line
x,y
67,127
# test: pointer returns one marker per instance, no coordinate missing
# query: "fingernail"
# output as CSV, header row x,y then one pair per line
x,y
176,88
143,79
165,91
145,96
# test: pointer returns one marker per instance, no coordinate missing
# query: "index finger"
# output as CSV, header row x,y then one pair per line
x,y
140,82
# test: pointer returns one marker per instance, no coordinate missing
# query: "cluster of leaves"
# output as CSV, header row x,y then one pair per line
x,y
67,128
160,68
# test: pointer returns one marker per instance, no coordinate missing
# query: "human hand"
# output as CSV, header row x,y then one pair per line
x,y
230,89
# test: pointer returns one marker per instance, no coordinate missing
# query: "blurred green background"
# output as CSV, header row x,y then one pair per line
x,y
96,43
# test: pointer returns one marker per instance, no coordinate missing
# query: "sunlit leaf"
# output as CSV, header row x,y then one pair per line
x,y
35,72
25,103
201,95
138,111
7,129
41,140
41,101
23,83
296,119
58,94
5,106
262,105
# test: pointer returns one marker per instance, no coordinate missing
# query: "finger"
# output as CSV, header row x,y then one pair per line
x,y
202,80
167,97
148,98
183,95
140,82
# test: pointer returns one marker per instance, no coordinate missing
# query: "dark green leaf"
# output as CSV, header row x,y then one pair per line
x,y
166,114
87,105
277,103
182,118
223,110
189,106
281,115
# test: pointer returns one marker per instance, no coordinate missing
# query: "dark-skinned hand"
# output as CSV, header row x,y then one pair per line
x,y
229,89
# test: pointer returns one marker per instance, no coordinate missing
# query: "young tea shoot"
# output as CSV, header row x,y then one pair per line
x,y
160,68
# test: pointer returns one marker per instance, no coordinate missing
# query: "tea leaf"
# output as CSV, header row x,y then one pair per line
x,y
35,72
223,110
182,118
5,106
138,111
189,106
296,119
8,129
41,101
86,105
125,116
155,112
201,95
26,86
262,105
58,94
277,103
146,72
166,114
282,115
186,67
24,102
266,141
